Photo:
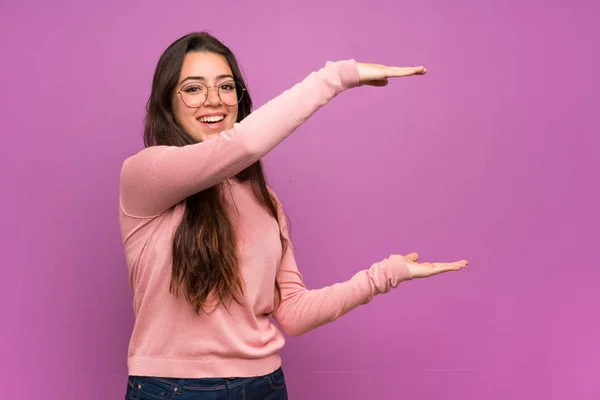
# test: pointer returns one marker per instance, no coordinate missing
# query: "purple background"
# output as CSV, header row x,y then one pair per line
x,y
491,157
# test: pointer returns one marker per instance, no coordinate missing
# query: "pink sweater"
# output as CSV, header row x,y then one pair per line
x,y
169,339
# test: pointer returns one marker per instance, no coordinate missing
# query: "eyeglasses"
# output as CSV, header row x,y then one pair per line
x,y
195,94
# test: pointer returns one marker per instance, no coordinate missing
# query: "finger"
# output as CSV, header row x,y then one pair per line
x,y
413,256
405,71
454,266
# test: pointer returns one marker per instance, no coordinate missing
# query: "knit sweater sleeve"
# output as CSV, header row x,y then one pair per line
x,y
302,310
159,177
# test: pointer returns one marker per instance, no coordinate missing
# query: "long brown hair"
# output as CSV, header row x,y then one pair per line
x,y
205,259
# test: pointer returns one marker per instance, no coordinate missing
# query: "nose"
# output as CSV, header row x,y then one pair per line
x,y
212,97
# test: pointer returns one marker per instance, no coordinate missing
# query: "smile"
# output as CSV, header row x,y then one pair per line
x,y
212,119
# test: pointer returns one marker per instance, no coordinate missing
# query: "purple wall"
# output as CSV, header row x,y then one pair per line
x,y
491,157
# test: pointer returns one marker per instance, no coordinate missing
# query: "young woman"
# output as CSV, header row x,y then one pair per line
x,y
205,238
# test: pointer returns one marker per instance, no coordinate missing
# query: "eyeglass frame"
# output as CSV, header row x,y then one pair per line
x,y
218,94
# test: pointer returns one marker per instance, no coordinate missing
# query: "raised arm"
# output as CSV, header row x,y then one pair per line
x,y
159,177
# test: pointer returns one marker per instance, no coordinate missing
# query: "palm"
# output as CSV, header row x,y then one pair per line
x,y
378,75
424,270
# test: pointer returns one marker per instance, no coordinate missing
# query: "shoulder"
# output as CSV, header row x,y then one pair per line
x,y
142,158
280,209
146,153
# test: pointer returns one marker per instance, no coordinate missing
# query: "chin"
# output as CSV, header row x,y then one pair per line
x,y
208,135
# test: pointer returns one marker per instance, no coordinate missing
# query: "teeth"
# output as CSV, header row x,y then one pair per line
x,y
212,119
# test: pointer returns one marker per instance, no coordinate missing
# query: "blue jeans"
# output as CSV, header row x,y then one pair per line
x,y
267,387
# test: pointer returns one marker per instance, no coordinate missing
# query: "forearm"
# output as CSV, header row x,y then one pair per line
x,y
303,310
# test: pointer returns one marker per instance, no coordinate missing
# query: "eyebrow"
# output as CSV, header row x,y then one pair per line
x,y
201,78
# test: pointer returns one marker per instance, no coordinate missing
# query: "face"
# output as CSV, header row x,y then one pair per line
x,y
213,116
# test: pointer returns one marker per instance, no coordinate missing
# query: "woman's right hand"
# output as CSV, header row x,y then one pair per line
x,y
378,75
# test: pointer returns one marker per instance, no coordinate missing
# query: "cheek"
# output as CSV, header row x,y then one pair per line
x,y
184,117
182,114
177,111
